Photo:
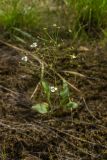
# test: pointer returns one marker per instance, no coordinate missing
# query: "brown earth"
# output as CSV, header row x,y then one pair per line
x,y
78,135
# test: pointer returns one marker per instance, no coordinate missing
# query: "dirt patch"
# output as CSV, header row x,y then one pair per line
x,y
81,134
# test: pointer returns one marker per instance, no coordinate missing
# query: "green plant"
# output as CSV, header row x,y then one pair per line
x,y
89,15
46,89
66,103
20,14
64,94
41,108
103,41
44,107
3,153
83,16
22,36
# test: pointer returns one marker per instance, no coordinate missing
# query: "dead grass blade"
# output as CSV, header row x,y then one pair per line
x,y
35,90
89,109
9,90
75,73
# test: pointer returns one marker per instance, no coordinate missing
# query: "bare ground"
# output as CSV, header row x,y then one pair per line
x,y
78,135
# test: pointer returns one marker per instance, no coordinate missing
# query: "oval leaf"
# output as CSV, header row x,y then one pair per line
x,y
46,87
71,105
41,108
64,93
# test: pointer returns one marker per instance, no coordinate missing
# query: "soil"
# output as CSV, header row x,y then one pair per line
x,y
77,135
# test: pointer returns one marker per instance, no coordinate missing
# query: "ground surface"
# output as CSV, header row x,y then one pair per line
x,y
81,134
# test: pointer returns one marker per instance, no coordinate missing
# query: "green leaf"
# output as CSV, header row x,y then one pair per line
x,y
41,108
23,33
71,105
64,93
20,39
46,88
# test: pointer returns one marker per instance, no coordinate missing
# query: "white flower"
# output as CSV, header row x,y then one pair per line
x,y
54,25
33,45
25,58
53,89
44,28
70,31
73,56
